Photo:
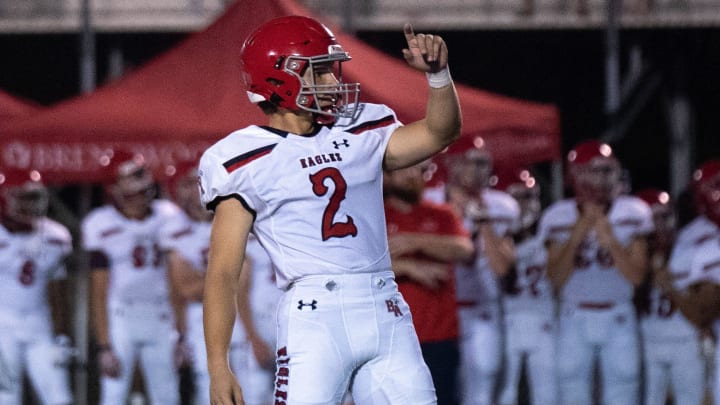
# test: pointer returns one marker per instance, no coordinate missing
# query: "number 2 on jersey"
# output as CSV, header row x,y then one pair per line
x,y
332,229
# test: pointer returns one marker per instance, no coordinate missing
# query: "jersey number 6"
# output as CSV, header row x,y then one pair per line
x,y
332,229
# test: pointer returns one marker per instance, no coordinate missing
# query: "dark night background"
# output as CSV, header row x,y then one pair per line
x,y
563,67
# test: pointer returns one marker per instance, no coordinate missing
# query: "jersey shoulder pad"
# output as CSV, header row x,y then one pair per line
x,y
54,230
501,201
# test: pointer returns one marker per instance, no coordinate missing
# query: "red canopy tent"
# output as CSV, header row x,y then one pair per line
x,y
175,106
14,107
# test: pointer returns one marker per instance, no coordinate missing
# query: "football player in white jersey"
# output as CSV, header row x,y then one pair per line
x,y
491,216
133,318
187,242
309,187
671,343
33,249
704,279
597,255
528,301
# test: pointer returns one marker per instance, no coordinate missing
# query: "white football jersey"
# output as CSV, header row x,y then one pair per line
x,y
706,261
689,239
190,239
28,261
664,320
595,277
706,266
478,283
532,290
134,249
317,199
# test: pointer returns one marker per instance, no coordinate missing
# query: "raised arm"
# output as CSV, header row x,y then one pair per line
x,y
421,139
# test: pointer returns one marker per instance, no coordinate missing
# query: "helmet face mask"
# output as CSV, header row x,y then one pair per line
x,y
187,196
664,218
282,61
472,170
134,187
595,173
523,187
597,181
24,197
528,198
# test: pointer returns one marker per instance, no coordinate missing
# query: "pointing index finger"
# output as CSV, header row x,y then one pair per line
x,y
408,30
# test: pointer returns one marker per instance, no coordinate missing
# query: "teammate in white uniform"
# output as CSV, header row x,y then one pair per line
x,y
32,253
309,186
597,254
671,343
529,311
704,279
133,318
491,217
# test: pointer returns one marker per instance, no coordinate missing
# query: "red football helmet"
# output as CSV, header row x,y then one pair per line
x,y
594,172
131,183
24,196
520,183
706,189
471,168
663,214
182,185
281,61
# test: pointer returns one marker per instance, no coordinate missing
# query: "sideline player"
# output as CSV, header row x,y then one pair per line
x,y
671,343
33,249
426,242
704,279
529,310
131,310
597,255
491,216
312,194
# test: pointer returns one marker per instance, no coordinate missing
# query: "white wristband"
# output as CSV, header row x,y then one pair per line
x,y
439,79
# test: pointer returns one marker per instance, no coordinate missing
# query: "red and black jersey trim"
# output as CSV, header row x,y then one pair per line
x,y
214,203
241,160
370,125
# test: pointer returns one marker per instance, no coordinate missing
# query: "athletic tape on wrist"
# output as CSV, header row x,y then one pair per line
x,y
439,79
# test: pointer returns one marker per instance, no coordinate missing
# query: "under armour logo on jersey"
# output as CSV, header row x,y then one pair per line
x,y
312,305
344,143
393,307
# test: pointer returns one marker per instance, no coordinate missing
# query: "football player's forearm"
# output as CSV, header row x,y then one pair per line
x,y
446,248
686,306
242,299
443,117
98,298
218,317
560,265
499,250
632,262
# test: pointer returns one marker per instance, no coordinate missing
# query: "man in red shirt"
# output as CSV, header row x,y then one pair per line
x,y
426,240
